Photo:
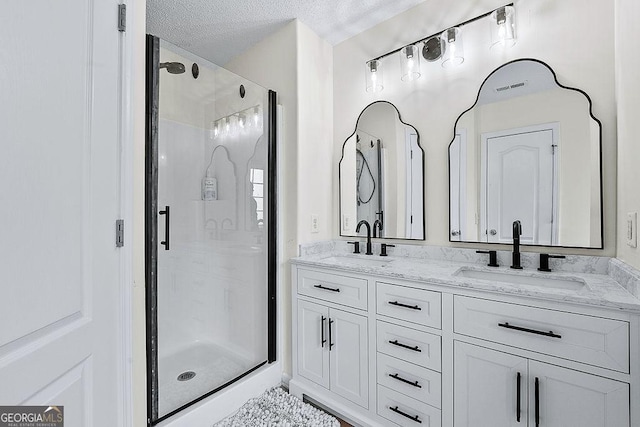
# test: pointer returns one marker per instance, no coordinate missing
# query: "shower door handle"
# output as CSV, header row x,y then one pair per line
x,y
167,226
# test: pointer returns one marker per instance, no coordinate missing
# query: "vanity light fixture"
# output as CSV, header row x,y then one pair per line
x,y
503,27
452,47
373,76
446,45
410,63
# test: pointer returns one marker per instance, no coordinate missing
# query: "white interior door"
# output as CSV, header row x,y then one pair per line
x,y
572,398
486,388
520,185
457,187
415,184
59,181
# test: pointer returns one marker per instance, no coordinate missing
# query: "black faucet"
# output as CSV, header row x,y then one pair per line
x,y
517,231
377,224
369,251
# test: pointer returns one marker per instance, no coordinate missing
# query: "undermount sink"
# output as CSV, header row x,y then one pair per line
x,y
361,260
566,283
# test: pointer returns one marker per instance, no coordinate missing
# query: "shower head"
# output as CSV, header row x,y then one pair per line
x,y
173,67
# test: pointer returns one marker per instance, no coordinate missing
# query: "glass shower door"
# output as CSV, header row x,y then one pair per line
x,y
213,237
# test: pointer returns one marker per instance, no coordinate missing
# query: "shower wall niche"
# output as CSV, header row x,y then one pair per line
x,y
210,233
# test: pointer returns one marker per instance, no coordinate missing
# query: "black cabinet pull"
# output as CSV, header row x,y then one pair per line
x,y
518,397
531,331
537,403
395,342
322,319
404,414
399,378
326,289
399,304
167,225
330,342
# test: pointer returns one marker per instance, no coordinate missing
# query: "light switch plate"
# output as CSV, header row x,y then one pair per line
x,y
632,229
315,225
346,222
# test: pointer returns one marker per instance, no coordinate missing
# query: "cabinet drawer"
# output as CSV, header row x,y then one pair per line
x,y
344,290
408,344
591,340
405,411
414,381
410,304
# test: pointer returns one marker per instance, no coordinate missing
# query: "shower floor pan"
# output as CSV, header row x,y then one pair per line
x,y
212,365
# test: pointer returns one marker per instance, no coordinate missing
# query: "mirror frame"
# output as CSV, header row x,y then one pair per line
x,y
555,77
424,230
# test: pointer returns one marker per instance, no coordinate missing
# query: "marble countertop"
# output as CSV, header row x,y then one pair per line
x,y
599,290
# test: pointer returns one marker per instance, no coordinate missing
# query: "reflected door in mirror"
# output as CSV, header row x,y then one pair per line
x,y
529,150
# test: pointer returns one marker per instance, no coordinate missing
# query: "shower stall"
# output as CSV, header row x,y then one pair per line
x,y
210,228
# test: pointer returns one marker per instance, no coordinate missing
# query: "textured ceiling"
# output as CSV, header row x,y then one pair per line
x,y
219,30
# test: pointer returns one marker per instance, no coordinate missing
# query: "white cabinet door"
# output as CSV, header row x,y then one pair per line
x,y
571,398
313,342
486,388
348,354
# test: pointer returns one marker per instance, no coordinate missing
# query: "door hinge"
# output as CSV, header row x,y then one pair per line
x,y
119,233
122,17
553,148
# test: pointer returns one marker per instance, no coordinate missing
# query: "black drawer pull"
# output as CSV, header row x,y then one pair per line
x,y
326,289
399,304
322,340
404,414
395,342
531,331
399,378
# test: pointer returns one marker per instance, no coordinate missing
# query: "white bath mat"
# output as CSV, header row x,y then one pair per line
x,y
276,407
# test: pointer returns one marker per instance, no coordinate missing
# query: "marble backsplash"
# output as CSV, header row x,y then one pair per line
x,y
627,276
529,260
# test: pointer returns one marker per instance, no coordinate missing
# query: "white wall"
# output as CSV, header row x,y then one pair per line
x,y
628,97
297,64
558,33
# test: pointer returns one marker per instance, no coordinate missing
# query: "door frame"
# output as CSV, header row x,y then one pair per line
x,y
554,127
127,104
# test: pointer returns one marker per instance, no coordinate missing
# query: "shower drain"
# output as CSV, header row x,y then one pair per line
x,y
186,376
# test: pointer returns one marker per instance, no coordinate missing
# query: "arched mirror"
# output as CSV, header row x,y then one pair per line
x,y
382,175
530,150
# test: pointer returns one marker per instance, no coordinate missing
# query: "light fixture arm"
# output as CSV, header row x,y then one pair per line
x,y
436,34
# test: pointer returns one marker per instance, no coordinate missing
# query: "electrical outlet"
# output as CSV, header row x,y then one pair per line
x,y
315,223
632,229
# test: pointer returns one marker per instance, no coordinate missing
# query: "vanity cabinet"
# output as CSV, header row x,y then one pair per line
x,y
493,388
382,351
332,342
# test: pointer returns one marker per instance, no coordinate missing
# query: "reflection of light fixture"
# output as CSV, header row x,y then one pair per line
x,y
214,130
373,76
256,115
452,48
409,63
235,123
503,27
